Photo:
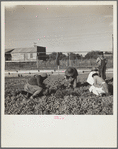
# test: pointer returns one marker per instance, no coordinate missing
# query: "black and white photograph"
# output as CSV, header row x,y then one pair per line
x,y
59,59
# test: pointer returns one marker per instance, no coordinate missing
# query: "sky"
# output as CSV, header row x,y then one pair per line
x,y
59,28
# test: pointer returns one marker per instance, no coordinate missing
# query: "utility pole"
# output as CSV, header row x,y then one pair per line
x,y
112,44
112,48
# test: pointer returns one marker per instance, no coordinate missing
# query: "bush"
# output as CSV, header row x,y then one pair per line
x,y
92,54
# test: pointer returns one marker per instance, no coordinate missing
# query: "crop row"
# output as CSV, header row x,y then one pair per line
x,y
60,101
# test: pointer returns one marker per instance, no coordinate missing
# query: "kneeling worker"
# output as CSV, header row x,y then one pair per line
x,y
98,86
35,85
71,76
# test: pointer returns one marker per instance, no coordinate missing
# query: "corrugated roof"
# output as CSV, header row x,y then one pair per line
x,y
8,50
24,50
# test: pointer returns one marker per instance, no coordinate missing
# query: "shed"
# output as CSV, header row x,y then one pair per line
x,y
8,56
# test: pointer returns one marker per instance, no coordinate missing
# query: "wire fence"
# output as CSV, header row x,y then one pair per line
x,y
48,60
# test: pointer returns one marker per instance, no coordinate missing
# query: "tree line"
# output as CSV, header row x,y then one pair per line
x,y
74,56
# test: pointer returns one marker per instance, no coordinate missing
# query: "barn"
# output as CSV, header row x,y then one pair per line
x,y
29,54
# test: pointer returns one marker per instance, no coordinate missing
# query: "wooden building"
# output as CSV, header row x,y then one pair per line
x,y
29,54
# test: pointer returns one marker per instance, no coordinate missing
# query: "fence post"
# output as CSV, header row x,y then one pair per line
x,y
37,62
90,61
68,59
76,62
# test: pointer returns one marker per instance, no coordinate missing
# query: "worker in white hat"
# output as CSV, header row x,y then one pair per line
x,y
98,86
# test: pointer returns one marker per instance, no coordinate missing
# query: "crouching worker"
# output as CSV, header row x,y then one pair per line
x,y
35,85
98,86
71,77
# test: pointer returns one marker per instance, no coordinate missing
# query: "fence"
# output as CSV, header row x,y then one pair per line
x,y
30,61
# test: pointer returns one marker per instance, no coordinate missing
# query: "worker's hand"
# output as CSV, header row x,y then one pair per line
x,y
31,97
70,79
97,85
46,91
65,78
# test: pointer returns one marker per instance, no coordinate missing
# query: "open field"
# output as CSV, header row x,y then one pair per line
x,y
60,101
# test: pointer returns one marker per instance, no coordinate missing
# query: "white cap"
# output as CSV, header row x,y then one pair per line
x,y
90,79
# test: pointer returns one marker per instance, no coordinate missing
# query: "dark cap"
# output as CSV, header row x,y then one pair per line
x,y
70,71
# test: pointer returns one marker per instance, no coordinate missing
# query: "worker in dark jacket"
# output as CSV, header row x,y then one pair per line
x,y
71,76
35,85
101,61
